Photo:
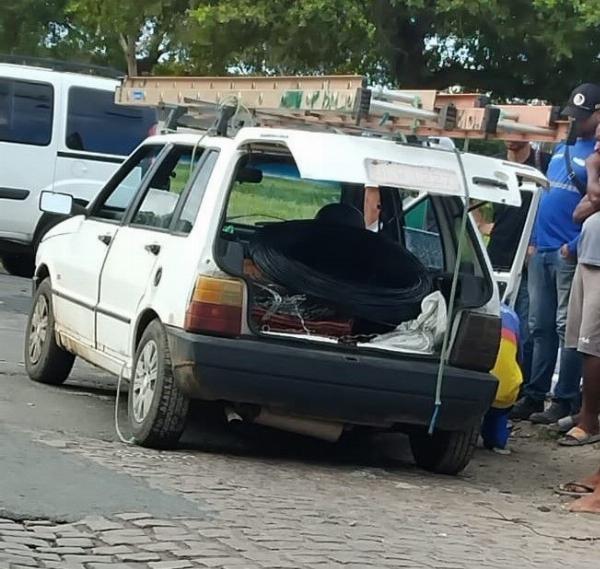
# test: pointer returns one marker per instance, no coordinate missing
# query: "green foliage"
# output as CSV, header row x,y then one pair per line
x,y
510,48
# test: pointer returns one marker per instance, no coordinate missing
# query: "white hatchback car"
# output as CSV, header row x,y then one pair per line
x,y
159,280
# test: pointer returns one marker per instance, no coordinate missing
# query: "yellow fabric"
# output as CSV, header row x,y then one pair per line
x,y
509,375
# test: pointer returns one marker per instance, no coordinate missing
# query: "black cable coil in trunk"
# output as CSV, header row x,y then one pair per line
x,y
363,273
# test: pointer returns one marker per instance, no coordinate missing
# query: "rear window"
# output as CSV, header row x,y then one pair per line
x,y
96,124
26,111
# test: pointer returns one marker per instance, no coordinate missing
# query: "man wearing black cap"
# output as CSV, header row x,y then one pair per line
x,y
552,267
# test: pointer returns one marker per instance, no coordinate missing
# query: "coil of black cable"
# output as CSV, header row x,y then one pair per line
x,y
365,274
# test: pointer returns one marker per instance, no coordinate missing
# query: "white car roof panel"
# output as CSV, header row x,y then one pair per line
x,y
363,160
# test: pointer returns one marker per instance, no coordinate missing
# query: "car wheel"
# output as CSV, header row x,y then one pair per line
x,y
444,452
45,361
18,265
156,407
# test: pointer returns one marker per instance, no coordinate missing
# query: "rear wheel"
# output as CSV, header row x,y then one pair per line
x,y
157,409
444,452
45,360
20,265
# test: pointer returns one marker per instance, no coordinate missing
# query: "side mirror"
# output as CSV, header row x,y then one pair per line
x,y
52,202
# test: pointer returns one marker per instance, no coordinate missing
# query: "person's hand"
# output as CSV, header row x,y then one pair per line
x,y
530,253
565,253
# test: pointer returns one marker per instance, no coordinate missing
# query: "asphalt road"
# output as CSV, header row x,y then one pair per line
x,y
37,481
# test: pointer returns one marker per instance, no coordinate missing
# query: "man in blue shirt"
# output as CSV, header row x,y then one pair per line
x,y
552,266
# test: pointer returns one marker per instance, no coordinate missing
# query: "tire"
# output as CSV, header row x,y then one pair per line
x,y
45,361
20,265
157,420
444,452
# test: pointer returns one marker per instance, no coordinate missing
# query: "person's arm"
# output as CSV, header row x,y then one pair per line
x,y
592,166
584,209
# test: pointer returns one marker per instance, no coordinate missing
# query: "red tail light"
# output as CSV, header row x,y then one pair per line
x,y
216,306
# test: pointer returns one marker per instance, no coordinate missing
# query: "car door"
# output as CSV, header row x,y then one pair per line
x,y
134,262
77,269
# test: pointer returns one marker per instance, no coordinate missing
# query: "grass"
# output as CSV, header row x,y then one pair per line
x,y
280,198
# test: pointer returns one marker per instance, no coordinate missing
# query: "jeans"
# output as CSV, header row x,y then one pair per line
x,y
526,343
550,278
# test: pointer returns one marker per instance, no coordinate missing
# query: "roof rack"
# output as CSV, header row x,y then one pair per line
x,y
65,66
343,103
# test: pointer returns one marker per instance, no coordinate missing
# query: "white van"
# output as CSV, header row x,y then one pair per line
x,y
59,131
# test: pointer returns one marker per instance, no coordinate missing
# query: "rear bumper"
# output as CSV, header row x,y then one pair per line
x,y
327,383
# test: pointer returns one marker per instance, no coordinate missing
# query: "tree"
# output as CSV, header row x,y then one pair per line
x,y
140,27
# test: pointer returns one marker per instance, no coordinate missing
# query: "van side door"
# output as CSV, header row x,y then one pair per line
x,y
29,110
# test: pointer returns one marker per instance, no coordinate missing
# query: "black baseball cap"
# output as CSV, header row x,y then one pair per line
x,y
584,100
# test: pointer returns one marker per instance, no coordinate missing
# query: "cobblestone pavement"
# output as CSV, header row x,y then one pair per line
x,y
267,512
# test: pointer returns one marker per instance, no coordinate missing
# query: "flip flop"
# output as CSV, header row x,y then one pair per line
x,y
577,437
569,489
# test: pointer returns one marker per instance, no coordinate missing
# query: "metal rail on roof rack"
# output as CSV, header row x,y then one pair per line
x,y
345,103
58,65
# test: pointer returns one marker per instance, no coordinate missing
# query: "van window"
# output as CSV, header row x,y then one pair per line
x,y
95,123
26,111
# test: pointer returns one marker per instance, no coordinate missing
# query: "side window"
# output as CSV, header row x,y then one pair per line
x,y
126,183
26,112
422,234
95,123
194,199
166,187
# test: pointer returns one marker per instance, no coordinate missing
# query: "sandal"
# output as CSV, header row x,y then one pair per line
x,y
575,489
577,437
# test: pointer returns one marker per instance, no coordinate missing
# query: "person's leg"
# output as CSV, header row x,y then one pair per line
x,y
589,503
588,417
542,323
567,392
589,346
522,310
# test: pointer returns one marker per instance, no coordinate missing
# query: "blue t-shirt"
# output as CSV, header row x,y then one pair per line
x,y
554,224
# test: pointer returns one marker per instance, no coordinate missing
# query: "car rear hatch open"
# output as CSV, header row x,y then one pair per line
x,y
282,164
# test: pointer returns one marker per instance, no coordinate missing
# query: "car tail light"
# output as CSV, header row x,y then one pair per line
x,y
216,306
477,342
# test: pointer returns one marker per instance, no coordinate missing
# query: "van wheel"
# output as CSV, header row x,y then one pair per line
x,y
157,409
45,361
444,452
18,265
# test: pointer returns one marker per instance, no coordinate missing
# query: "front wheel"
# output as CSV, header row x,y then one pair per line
x,y
444,452
156,407
45,360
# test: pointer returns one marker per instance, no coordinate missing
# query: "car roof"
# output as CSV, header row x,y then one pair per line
x,y
379,161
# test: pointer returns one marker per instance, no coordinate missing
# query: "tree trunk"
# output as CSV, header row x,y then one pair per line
x,y
128,45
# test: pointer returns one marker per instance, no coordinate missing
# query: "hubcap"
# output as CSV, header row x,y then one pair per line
x,y
144,381
38,330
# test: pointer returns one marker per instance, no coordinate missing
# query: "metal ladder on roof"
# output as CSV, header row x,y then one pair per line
x,y
341,103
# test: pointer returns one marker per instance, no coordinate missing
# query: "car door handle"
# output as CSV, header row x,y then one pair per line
x,y
153,248
106,239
